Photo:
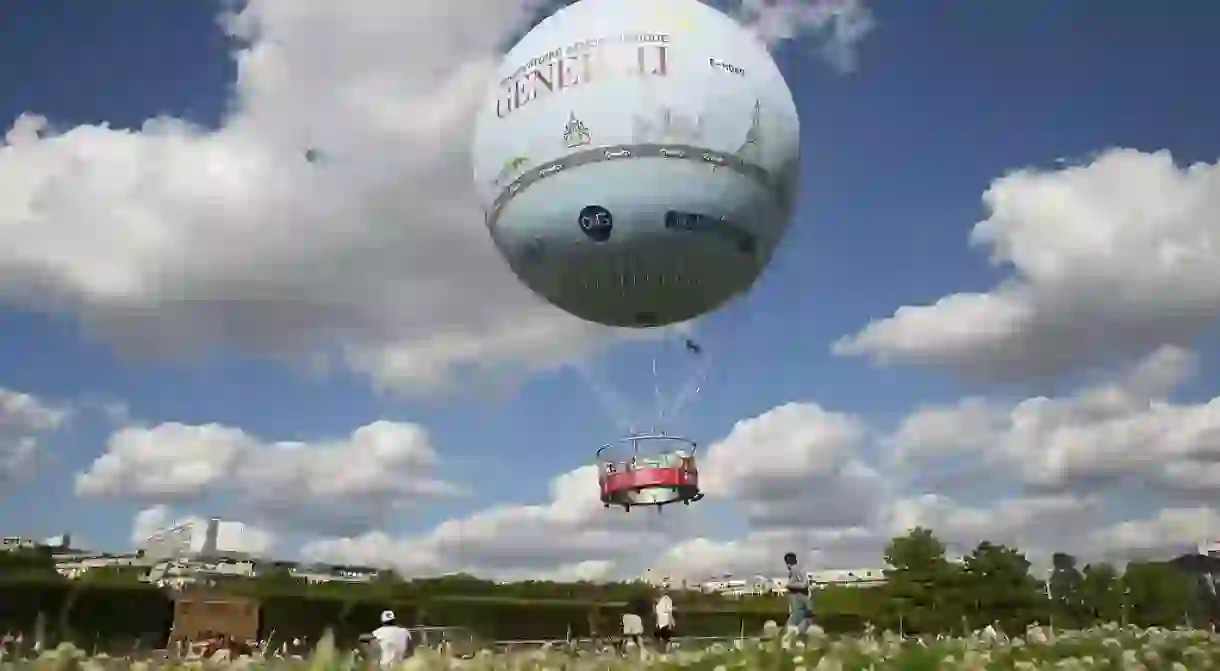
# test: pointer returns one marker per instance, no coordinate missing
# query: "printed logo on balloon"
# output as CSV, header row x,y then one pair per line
x,y
751,146
576,133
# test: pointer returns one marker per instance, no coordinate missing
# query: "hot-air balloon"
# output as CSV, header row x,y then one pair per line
x,y
636,161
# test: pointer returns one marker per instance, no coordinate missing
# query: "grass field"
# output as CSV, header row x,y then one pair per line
x,y
1108,647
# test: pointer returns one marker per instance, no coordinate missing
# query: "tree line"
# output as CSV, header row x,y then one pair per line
x,y
925,592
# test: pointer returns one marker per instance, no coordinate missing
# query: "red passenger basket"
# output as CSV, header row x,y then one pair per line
x,y
648,470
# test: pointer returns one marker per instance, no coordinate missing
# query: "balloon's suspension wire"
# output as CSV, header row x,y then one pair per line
x,y
656,393
666,407
692,386
611,402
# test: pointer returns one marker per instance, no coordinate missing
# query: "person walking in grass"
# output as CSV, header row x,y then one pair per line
x,y
800,609
665,623
633,631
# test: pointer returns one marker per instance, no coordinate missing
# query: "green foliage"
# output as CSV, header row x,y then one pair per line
x,y
117,615
28,563
1101,595
925,593
1065,589
998,580
1157,594
923,589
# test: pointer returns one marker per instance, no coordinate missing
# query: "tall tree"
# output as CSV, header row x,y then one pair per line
x,y
1002,589
922,585
1065,591
1101,593
1157,594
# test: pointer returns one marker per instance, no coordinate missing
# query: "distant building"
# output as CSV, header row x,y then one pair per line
x,y
60,543
860,577
18,543
320,573
723,584
727,585
193,552
1210,549
197,551
654,579
181,572
185,571
198,539
73,565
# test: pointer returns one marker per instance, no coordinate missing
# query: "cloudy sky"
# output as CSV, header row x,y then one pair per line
x,y
994,313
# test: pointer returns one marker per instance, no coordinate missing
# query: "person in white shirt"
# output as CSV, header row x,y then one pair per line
x,y
393,641
664,612
633,630
800,610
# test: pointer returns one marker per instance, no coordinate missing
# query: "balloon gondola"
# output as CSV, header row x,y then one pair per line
x,y
648,470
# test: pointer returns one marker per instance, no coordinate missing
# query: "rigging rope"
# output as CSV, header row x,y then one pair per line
x,y
690,388
610,402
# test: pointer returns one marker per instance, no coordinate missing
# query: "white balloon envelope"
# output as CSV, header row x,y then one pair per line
x,y
637,160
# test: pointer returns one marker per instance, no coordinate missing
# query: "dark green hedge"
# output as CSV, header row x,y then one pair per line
x,y
107,616
116,616
22,602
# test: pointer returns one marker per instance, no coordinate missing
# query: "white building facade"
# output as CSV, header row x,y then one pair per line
x,y
859,577
204,538
728,585
75,565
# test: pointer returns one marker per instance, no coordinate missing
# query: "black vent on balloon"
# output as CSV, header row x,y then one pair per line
x,y
596,222
646,318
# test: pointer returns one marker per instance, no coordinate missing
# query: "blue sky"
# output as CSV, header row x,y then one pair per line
x,y
944,99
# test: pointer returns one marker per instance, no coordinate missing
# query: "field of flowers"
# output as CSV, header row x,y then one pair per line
x,y
1106,647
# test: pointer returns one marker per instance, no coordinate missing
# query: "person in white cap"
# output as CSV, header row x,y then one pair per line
x,y
392,640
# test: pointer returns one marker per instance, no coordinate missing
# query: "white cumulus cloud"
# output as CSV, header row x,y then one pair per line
x,y
843,23
330,486
24,421
1126,431
1106,260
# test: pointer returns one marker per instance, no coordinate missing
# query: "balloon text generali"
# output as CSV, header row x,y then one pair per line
x,y
637,160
